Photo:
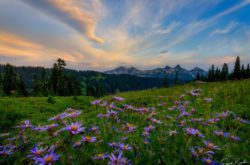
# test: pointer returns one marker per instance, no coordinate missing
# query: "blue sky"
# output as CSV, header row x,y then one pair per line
x,y
103,34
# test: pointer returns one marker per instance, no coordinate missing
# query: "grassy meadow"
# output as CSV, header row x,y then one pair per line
x,y
196,123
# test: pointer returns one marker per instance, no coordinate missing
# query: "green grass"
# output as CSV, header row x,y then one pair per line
x,y
162,149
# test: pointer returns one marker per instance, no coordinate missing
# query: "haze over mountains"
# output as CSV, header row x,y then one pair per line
x,y
169,72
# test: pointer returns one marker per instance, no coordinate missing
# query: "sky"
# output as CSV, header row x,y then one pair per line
x,y
103,34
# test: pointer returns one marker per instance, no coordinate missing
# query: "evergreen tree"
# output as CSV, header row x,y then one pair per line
x,y
224,72
43,74
248,71
9,80
1,79
54,79
198,76
211,74
22,88
217,76
165,83
243,72
176,79
236,72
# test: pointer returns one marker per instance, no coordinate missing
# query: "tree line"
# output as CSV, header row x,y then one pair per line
x,y
223,74
57,83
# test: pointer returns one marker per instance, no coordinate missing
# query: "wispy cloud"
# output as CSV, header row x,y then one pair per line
x,y
231,26
80,15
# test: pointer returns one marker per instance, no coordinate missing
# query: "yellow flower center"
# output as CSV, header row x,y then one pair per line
x,y
210,145
48,159
87,138
39,152
73,127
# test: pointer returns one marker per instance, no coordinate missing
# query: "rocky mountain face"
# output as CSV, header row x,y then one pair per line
x,y
167,71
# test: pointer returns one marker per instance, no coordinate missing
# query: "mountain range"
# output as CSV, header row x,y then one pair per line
x,y
168,72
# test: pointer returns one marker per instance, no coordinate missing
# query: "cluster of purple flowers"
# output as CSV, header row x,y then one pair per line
x,y
194,132
181,119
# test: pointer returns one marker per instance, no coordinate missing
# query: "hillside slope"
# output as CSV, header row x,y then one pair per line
x,y
167,110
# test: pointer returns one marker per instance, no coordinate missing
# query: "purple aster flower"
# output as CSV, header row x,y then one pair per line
x,y
36,152
193,152
192,131
95,129
74,128
101,115
184,113
145,133
172,108
241,120
77,144
224,114
112,106
26,124
89,139
125,147
100,157
6,150
119,160
221,133
126,106
47,127
118,98
48,159
208,161
156,121
111,114
74,114
113,144
149,128
202,151
197,120
96,102
58,117
129,128
103,104
234,138
211,146
182,108
213,120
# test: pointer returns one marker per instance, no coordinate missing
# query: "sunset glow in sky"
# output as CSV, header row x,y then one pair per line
x,y
103,34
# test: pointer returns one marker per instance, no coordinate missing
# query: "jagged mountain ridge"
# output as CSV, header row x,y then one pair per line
x,y
169,72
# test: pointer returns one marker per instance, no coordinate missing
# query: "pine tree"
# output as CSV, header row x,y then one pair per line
x,y
198,76
165,83
176,79
224,72
9,80
1,79
236,72
242,71
22,88
217,76
54,79
211,74
248,71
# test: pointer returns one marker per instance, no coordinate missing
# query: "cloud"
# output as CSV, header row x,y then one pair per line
x,y
80,15
231,26
13,40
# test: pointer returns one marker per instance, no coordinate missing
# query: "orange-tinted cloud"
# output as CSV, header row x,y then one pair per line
x,y
82,16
